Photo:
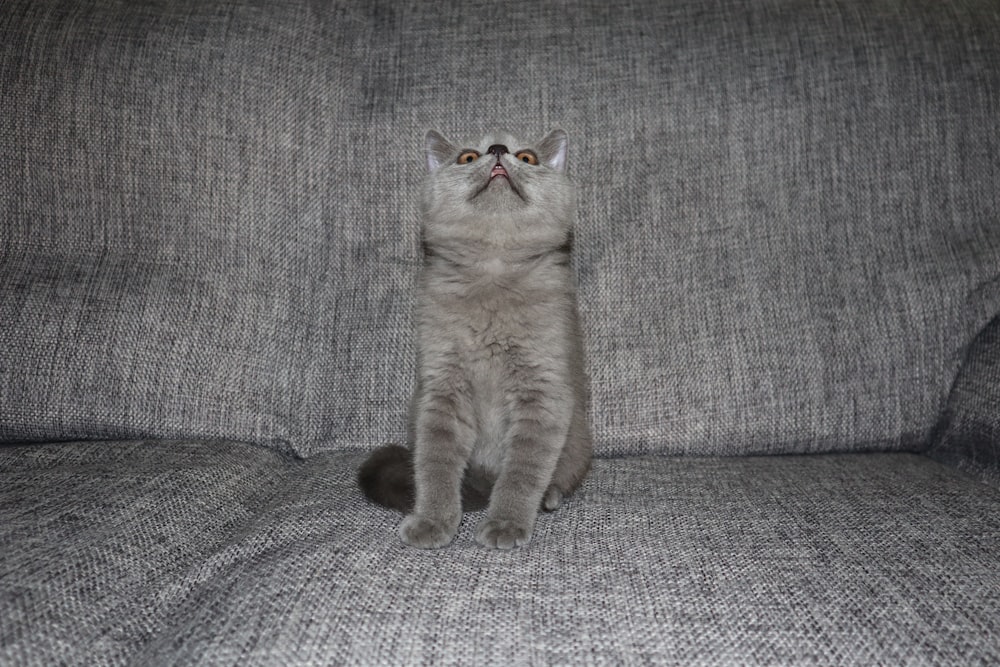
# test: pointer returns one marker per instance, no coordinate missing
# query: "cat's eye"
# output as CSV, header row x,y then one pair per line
x,y
527,157
467,157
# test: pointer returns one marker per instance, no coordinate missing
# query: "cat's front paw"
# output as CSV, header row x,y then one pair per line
x,y
426,533
503,533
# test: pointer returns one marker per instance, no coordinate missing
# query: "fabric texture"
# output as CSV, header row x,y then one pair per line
x,y
184,554
786,233
969,434
787,242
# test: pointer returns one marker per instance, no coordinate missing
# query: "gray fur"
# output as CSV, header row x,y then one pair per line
x,y
502,395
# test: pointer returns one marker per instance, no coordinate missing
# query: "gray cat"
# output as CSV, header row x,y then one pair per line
x,y
500,409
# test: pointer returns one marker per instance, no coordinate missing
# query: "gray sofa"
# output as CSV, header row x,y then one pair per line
x,y
788,249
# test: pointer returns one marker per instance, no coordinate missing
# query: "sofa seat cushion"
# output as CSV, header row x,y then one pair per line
x,y
205,553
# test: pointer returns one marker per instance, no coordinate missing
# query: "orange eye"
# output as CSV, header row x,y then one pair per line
x,y
528,157
467,157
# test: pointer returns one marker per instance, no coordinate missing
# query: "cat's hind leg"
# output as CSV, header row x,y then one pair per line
x,y
574,462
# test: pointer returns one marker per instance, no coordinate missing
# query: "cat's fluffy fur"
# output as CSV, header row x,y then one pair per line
x,y
500,409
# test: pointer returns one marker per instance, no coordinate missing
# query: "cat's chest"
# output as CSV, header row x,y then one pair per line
x,y
492,320
493,316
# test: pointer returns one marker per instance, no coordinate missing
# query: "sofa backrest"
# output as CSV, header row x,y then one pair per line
x,y
788,228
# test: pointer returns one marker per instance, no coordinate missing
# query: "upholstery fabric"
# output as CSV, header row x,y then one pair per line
x,y
184,554
787,230
969,434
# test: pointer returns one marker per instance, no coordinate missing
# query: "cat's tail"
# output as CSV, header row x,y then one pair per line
x,y
386,478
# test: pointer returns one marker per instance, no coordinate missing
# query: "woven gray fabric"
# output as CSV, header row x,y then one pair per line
x,y
786,235
182,553
969,434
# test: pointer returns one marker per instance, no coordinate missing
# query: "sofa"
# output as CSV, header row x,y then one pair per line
x,y
788,255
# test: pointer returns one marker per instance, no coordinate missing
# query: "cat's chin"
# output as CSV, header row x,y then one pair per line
x,y
499,200
501,182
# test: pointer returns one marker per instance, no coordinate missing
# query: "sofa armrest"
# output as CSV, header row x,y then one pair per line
x,y
968,434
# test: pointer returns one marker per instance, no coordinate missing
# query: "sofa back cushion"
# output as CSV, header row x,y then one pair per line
x,y
787,230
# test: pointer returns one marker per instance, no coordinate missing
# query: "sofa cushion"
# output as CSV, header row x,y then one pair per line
x,y
786,231
207,553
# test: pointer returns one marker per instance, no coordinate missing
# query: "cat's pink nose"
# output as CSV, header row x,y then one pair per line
x,y
497,149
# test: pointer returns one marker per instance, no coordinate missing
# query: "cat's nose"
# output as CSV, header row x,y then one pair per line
x,y
497,150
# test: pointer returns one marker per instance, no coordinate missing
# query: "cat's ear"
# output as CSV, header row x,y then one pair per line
x,y
552,150
439,150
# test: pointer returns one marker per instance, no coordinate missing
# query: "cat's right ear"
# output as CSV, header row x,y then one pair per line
x,y
552,150
439,150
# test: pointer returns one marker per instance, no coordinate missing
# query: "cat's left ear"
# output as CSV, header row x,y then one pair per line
x,y
552,150
439,150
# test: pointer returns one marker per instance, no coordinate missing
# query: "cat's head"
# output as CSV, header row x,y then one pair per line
x,y
499,190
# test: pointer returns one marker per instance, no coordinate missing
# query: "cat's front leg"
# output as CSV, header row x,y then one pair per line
x,y
441,451
537,436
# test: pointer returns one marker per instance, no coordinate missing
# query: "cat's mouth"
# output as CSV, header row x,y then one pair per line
x,y
500,175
